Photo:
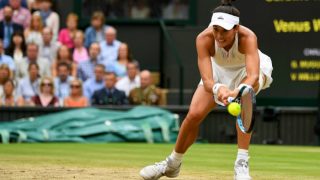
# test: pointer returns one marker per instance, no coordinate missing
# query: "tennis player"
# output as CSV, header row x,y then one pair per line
x,y
228,59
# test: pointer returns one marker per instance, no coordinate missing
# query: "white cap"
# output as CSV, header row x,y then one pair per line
x,y
227,21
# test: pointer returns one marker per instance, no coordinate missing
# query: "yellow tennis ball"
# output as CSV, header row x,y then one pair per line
x,y
234,109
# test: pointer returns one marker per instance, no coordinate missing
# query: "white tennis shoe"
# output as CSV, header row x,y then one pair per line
x,y
241,170
163,168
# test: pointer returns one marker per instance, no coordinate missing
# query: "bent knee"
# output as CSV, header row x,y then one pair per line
x,y
195,116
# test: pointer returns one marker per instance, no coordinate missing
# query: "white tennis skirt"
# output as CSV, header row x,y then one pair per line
x,y
232,77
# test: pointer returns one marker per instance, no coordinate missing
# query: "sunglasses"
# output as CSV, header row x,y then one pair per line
x,y
46,84
75,86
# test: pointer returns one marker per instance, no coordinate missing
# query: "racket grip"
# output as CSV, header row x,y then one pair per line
x,y
230,99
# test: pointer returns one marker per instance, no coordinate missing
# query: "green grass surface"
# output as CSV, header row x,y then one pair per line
x,y
123,161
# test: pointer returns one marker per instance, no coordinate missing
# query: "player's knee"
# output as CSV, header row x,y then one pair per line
x,y
194,116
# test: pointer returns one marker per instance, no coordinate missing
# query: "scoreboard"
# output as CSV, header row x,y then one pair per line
x,y
289,32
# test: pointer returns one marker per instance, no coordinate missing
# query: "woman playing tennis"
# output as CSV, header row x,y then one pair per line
x,y
228,59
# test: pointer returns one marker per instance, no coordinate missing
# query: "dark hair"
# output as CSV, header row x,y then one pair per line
x,y
11,48
107,73
64,64
227,7
100,66
11,82
33,64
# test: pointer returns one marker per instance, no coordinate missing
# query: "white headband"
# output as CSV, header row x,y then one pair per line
x,y
227,21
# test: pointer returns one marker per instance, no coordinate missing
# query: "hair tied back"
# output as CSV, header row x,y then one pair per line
x,y
226,2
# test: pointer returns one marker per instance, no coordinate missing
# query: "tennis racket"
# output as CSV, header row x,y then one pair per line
x,y
247,101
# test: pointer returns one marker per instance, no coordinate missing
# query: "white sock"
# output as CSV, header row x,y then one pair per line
x,y
176,157
243,154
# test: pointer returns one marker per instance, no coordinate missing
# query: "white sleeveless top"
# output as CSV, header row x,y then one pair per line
x,y
229,67
230,59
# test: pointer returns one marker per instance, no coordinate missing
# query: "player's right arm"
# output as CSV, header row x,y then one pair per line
x,y
204,43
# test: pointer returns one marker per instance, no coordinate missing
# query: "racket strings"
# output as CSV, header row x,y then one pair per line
x,y
247,111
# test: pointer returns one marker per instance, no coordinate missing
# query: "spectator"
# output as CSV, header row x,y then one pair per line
x,y
131,81
3,3
7,26
64,55
95,83
46,96
146,94
109,95
4,59
29,86
110,46
76,98
34,5
67,35
49,18
176,10
86,68
33,34
21,15
62,81
17,48
8,98
140,10
48,48
32,56
124,57
5,75
80,53
95,32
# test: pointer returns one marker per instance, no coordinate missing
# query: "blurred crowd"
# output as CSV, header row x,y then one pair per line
x,y
139,9
44,65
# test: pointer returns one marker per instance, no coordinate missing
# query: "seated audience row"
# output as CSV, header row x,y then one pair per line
x,y
64,90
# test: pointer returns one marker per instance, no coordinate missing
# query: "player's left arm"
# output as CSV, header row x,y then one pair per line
x,y
249,47
252,60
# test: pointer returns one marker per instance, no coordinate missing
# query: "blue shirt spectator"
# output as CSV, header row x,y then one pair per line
x,y
27,88
62,88
95,83
95,32
62,81
92,85
4,59
92,35
110,46
29,85
86,68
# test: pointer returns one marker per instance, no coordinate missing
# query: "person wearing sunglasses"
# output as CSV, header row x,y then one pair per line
x,y
46,97
76,98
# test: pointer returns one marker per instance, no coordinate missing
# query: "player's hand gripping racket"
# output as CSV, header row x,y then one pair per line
x,y
247,100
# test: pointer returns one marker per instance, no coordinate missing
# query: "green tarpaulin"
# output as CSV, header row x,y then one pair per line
x,y
140,124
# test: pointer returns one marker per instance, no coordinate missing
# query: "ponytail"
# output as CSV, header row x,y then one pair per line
x,y
227,7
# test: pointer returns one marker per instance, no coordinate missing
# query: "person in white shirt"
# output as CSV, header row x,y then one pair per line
x,y
32,56
48,48
131,81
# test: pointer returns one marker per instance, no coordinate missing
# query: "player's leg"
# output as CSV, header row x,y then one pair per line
x,y
241,163
201,104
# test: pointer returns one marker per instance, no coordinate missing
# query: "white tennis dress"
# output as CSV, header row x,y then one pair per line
x,y
229,67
